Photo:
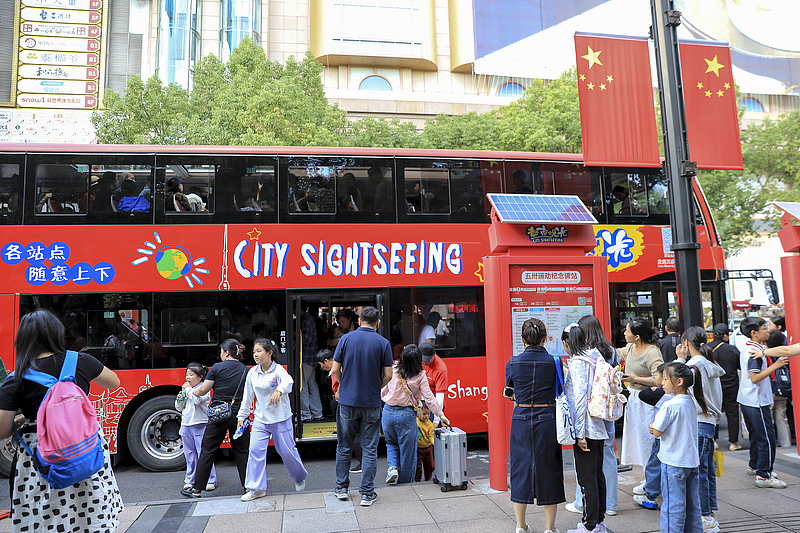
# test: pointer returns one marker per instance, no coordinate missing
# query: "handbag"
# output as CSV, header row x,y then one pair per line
x,y
719,463
222,411
565,424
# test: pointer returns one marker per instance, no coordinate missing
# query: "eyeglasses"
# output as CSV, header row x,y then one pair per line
x,y
568,328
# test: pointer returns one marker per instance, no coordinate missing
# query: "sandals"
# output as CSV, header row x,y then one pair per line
x,y
191,492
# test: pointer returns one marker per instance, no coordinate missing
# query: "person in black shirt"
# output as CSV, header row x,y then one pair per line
x,y
667,344
227,380
727,357
90,505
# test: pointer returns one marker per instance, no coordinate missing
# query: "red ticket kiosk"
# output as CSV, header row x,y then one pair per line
x,y
789,235
538,269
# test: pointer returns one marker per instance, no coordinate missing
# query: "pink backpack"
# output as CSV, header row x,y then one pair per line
x,y
69,448
606,400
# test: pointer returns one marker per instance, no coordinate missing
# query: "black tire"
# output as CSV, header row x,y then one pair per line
x,y
464,485
6,458
153,435
444,488
435,480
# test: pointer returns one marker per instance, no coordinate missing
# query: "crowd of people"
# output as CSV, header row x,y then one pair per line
x,y
673,409
678,389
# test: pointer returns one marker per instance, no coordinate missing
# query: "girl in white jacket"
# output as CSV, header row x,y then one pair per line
x,y
590,432
694,350
269,384
194,417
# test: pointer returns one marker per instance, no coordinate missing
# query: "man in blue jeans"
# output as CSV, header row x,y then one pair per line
x,y
366,358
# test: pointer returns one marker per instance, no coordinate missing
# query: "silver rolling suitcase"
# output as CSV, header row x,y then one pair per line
x,y
450,458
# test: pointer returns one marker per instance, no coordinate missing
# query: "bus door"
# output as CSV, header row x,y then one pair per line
x,y
323,306
713,297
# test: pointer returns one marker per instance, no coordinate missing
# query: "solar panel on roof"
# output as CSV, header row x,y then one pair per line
x,y
793,208
537,208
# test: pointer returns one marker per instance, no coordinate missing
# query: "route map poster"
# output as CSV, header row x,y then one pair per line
x,y
555,294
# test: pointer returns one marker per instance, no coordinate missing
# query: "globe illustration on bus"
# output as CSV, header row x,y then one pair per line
x,y
172,262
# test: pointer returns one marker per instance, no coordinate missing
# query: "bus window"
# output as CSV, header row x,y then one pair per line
x,y
10,197
453,317
121,189
256,191
190,326
427,190
189,189
628,194
119,337
658,197
353,189
62,189
584,184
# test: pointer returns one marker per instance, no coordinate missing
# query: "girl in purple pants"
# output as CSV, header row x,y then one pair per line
x,y
194,417
269,385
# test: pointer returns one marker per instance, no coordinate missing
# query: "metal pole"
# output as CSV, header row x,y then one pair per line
x,y
679,169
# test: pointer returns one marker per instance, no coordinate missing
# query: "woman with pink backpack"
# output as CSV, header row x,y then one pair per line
x,y
91,504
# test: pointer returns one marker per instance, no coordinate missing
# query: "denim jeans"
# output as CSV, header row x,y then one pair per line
x,y
762,438
310,404
652,472
351,420
680,509
708,480
400,430
609,471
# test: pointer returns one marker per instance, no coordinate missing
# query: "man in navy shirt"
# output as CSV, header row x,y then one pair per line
x,y
363,364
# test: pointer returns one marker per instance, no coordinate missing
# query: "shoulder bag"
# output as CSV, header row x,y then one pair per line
x,y
414,403
565,422
221,412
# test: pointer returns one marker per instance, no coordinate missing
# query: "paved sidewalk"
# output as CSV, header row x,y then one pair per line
x,y
423,508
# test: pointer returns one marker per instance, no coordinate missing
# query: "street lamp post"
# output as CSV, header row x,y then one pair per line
x,y
679,168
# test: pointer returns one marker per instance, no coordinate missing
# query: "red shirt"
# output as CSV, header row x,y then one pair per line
x,y
437,375
334,383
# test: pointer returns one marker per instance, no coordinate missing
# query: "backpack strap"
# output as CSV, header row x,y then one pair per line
x,y
69,367
559,376
42,378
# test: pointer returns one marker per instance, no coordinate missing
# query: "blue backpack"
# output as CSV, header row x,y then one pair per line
x,y
69,448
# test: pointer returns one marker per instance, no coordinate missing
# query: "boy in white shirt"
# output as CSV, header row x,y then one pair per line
x,y
755,398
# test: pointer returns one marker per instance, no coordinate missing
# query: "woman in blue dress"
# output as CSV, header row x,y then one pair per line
x,y
537,475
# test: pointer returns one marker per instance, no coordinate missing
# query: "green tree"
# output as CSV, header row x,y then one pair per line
x,y
469,131
381,133
149,113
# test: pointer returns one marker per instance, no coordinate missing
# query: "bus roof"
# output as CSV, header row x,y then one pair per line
x,y
280,150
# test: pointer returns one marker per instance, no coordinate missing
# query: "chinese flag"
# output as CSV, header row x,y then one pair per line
x,y
618,118
712,119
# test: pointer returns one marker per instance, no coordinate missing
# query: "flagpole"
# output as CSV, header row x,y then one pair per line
x,y
680,170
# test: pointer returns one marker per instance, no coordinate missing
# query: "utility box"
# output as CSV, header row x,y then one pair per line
x,y
538,268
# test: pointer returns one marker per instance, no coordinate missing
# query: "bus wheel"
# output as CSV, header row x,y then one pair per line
x,y
6,457
153,435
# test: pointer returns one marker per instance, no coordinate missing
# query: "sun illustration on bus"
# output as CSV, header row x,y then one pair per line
x,y
172,261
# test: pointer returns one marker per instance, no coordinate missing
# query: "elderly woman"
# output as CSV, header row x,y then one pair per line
x,y
537,474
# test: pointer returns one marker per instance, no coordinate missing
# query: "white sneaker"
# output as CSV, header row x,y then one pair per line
x,y
300,486
751,471
251,495
526,530
211,486
572,509
551,531
639,489
392,475
770,483
710,525
611,512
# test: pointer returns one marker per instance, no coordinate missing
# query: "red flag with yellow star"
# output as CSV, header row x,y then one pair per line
x,y
712,117
618,118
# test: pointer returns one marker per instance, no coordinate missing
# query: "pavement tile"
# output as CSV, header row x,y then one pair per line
x,y
219,506
266,523
318,521
462,508
428,491
483,525
503,501
425,528
760,501
398,493
385,514
127,517
335,505
309,500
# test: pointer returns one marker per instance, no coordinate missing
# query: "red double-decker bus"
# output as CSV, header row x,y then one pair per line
x,y
254,234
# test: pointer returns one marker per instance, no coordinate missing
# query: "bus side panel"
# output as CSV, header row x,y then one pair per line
x,y
8,328
465,400
110,403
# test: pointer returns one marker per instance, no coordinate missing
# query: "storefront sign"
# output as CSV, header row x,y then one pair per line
x,y
57,102
57,86
59,73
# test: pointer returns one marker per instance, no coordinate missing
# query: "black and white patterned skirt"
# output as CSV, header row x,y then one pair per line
x,y
89,506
